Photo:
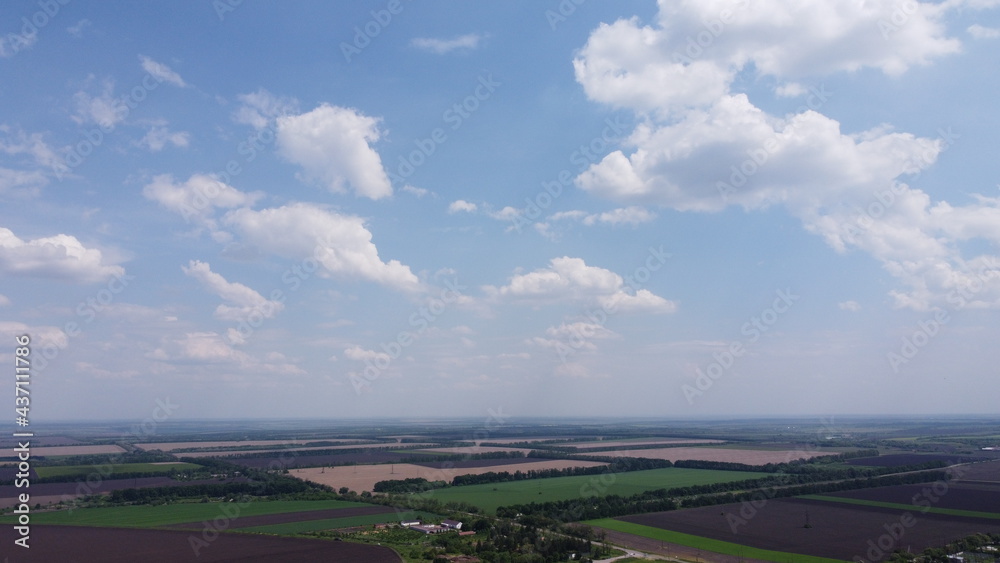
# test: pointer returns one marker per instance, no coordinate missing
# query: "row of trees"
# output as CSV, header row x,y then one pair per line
x,y
701,495
940,554
278,485
411,485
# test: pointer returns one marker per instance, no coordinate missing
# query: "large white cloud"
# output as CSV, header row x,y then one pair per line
x,y
340,243
571,279
333,145
789,38
58,257
700,146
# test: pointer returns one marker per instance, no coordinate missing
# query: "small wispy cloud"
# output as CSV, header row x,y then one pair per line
x,y
849,306
462,205
981,32
161,71
76,30
419,192
441,46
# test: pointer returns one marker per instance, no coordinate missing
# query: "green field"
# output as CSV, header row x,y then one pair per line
x,y
146,516
488,497
327,524
907,507
708,544
116,469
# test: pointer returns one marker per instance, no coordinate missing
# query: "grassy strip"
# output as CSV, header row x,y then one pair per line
x,y
325,524
146,516
81,470
708,544
907,507
489,496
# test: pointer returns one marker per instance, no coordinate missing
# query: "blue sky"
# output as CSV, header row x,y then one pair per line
x,y
437,209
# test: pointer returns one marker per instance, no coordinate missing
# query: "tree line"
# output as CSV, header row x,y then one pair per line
x,y
658,500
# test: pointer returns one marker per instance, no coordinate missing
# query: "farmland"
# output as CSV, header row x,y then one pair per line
x,y
987,472
117,469
381,514
103,545
471,450
941,495
174,446
635,442
46,493
909,459
288,460
704,543
332,470
364,477
224,453
749,457
488,497
837,531
146,516
343,521
46,451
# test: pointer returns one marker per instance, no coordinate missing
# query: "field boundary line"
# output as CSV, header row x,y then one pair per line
x,y
907,507
704,543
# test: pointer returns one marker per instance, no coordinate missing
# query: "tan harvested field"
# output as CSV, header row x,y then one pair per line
x,y
171,446
749,457
363,477
618,443
475,450
76,450
276,451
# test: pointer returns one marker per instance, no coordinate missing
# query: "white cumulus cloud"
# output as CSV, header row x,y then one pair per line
x,y
340,243
982,32
61,257
461,205
699,146
334,146
197,198
159,136
571,279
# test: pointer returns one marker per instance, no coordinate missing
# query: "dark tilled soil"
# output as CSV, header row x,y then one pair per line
x,y
271,519
37,490
934,495
894,460
476,463
837,531
290,462
79,544
649,545
989,471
